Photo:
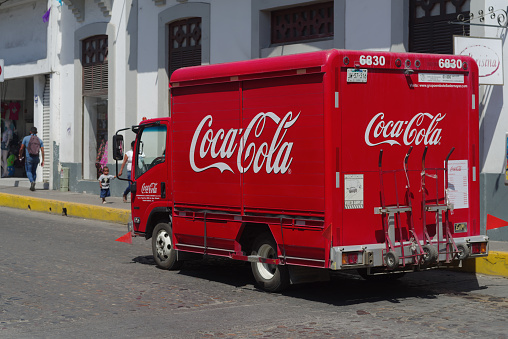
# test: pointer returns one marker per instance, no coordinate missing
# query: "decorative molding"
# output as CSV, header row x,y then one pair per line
x,y
77,7
105,6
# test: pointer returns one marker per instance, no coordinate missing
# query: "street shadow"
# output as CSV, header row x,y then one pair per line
x,y
145,260
344,287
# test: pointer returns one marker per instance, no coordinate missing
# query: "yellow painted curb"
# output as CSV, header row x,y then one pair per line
x,y
496,263
72,209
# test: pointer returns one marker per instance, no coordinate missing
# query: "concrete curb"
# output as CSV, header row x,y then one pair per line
x,y
496,263
71,209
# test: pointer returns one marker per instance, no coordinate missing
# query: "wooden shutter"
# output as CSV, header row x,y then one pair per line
x,y
429,30
184,44
95,65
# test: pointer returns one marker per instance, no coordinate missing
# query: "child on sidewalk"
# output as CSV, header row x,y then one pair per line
x,y
104,181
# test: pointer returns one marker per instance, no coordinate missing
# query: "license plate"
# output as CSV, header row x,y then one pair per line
x,y
356,75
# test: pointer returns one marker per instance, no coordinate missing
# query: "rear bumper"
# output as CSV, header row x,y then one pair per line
x,y
372,255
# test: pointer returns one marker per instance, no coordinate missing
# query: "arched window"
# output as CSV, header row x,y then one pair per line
x,y
94,59
95,65
184,44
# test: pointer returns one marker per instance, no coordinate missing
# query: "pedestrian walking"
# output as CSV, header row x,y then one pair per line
x,y
32,145
104,181
127,160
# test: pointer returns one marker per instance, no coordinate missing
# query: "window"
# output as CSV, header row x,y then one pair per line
x,y
95,65
94,59
151,149
429,30
184,44
302,23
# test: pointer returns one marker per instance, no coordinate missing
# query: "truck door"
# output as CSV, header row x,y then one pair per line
x,y
151,172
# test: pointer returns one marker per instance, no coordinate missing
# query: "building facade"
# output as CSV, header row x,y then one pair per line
x,y
94,66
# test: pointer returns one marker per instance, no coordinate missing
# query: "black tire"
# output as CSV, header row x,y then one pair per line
x,y
463,251
382,277
162,247
392,260
429,254
271,278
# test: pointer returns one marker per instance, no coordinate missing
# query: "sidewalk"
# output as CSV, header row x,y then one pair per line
x,y
15,193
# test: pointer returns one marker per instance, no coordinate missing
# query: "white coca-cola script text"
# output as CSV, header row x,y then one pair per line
x,y
149,188
274,157
421,129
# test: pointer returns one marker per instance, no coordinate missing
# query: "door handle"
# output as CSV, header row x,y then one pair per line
x,y
163,190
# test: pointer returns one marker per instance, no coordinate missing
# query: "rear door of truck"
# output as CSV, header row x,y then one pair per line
x,y
392,102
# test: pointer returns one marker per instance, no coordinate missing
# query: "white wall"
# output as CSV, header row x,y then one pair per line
x,y
493,99
118,15
148,57
230,31
23,32
368,25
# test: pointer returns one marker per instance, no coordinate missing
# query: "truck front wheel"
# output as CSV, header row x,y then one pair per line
x,y
269,277
162,247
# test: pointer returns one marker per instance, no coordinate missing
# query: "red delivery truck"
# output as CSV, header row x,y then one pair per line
x,y
330,160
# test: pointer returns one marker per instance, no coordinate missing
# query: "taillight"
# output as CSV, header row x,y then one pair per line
x,y
349,258
479,248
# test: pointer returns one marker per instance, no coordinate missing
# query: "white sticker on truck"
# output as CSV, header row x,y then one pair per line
x,y
353,191
441,78
458,186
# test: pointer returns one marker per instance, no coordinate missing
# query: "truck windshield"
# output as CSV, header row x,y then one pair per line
x,y
151,149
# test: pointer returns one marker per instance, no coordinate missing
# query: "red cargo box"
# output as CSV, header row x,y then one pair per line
x,y
348,159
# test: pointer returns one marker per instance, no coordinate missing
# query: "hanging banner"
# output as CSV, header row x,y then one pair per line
x,y
1,70
488,54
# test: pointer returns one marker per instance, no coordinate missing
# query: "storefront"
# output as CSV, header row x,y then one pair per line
x,y
17,117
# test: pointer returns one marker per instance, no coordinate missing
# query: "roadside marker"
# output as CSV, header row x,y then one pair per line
x,y
127,238
493,222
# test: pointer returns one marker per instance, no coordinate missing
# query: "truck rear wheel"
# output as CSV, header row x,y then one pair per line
x,y
162,247
269,277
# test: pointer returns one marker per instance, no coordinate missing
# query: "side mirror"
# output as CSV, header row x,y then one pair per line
x,y
118,147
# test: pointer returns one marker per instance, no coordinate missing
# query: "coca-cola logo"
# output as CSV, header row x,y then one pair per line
x,y
274,156
421,129
149,188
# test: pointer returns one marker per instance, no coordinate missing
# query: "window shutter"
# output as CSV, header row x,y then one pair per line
x,y
184,44
429,30
95,65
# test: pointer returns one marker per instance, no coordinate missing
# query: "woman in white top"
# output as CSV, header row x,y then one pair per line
x,y
127,159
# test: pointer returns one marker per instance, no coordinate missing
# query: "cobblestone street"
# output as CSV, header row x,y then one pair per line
x,y
64,277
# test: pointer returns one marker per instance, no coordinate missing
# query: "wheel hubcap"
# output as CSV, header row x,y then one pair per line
x,y
163,244
267,271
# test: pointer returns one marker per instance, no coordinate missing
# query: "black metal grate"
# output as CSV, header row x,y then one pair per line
x,y
302,23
